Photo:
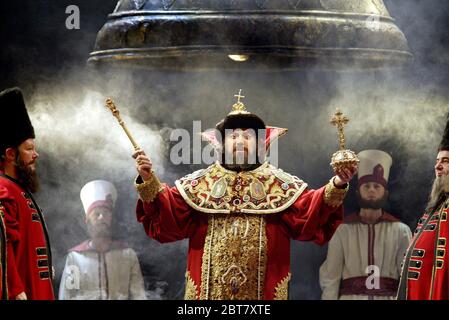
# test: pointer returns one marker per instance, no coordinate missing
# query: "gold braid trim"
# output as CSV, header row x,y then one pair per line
x,y
206,260
334,196
191,288
149,189
262,259
281,290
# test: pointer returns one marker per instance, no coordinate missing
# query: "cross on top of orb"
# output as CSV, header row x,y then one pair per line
x,y
339,119
239,107
239,96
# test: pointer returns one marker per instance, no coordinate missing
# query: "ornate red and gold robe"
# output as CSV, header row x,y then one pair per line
x,y
29,267
3,288
239,227
425,271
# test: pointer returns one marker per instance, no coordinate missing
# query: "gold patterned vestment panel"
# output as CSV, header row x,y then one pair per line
x,y
234,258
264,190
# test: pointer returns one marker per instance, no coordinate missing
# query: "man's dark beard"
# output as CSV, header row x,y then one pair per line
x,y
27,176
439,192
373,204
240,166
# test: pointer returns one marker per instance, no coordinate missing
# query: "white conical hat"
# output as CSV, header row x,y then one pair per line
x,y
98,193
374,166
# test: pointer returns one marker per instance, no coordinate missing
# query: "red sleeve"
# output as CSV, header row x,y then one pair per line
x,y
15,285
166,219
311,219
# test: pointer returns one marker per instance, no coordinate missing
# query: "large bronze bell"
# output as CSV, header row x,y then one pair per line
x,y
254,34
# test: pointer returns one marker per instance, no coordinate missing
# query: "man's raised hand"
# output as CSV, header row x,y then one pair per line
x,y
143,164
344,176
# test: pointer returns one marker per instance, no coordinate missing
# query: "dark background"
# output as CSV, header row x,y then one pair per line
x,y
399,111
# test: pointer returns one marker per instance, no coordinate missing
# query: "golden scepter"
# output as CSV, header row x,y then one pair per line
x,y
343,158
150,188
111,106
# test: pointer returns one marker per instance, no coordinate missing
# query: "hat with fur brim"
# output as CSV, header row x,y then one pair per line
x,y
240,118
15,125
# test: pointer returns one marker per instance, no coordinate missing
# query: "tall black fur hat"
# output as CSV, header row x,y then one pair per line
x,y
15,124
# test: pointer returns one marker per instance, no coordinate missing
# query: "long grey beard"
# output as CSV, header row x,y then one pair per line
x,y
439,193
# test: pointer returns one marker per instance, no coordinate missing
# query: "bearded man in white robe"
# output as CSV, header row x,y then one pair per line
x,y
365,254
101,268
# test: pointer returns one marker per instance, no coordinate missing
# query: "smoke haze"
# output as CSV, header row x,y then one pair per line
x,y
401,111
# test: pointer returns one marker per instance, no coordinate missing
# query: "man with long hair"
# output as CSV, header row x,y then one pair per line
x,y
425,272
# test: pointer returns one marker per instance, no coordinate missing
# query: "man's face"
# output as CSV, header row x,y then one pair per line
x,y
372,191
242,145
440,187
28,154
99,222
442,164
24,161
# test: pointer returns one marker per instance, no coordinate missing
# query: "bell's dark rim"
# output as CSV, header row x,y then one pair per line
x,y
239,50
285,13
193,58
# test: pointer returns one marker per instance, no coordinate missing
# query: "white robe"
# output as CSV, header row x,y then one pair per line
x,y
347,255
113,275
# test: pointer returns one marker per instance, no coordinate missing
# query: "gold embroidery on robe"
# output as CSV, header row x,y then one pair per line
x,y
281,290
234,258
191,288
334,196
264,190
148,190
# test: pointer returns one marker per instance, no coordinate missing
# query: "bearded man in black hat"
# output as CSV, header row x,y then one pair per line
x,y
239,214
425,271
29,267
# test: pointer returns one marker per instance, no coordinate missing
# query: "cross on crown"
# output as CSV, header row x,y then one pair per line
x,y
239,107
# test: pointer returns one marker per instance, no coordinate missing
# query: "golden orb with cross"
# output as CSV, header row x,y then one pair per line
x,y
239,107
343,158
